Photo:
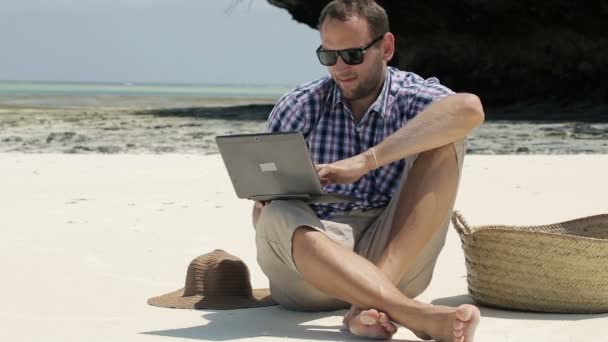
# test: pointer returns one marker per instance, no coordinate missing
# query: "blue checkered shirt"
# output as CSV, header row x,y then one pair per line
x,y
316,109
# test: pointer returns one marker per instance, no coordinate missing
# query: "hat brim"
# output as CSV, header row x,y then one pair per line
x,y
177,300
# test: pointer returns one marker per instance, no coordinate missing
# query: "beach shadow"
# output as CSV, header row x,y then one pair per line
x,y
487,311
263,322
256,112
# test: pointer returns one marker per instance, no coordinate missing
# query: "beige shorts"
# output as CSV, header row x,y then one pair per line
x,y
363,231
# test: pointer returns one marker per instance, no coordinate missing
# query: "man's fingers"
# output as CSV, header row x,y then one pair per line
x,y
259,204
323,172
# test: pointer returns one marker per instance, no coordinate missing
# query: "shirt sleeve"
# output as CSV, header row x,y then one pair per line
x,y
287,116
428,91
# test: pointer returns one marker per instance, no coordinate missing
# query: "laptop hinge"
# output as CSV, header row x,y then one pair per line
x,y
304,197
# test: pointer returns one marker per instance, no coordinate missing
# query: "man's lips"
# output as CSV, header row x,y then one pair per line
x,y
345,80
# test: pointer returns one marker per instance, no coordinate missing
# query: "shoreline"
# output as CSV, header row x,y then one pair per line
x,y
531,110
159,131
170,124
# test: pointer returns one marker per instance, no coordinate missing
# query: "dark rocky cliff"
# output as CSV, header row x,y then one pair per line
x,y
504,51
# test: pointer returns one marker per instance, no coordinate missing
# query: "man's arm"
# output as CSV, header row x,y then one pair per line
x,y
445,121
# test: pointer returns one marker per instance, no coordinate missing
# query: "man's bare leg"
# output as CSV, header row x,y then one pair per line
x,y
464,320
430,189
343,274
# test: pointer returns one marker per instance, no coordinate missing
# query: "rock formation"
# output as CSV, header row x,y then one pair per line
x,y
505,51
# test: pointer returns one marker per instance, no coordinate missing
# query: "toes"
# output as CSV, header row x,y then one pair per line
x,y
369,317
465,324
372,324
366,320
464,312
386,323
383,318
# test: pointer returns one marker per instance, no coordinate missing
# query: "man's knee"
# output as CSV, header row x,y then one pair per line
x,y
288,288
413,286
269,217
277,219
303,235
273,250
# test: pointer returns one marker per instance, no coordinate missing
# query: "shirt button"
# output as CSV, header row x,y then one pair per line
x,y
357,129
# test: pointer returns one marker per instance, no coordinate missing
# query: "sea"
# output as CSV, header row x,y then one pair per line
x,y
110,118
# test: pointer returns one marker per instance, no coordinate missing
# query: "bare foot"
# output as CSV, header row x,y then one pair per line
x,y
369,323
444,323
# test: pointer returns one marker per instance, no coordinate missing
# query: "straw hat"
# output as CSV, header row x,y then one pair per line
x,y
217,280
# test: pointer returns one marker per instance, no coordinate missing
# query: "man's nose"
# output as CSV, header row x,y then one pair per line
x,y
340,64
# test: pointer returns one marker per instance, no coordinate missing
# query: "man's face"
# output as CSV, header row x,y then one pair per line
x,y
354,81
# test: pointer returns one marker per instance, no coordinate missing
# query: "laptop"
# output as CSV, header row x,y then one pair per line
x,y
273,166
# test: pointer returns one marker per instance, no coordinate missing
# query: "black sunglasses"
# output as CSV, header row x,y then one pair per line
x,y
349,56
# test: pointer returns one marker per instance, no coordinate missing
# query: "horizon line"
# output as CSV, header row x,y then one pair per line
x,y
129,83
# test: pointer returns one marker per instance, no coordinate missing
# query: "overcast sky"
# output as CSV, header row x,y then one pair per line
x,y
165,41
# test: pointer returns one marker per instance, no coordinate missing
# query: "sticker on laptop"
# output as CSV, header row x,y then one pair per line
x,y
268,167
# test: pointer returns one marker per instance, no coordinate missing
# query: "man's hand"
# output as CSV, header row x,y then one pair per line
x,y
260,204
346,171
257,208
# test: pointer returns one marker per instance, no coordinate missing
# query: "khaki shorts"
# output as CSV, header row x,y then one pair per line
x,y
363,231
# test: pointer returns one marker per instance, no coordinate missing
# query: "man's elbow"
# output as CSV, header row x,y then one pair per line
x,y
472,109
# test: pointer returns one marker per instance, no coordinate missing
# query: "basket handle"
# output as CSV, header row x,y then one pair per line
x,y
460,223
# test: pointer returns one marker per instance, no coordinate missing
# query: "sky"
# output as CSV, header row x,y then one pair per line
x,y
156,41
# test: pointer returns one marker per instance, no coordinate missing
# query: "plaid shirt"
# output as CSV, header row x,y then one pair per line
x,y
316,109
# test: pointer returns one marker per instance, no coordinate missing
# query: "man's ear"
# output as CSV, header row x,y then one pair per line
x,y
388,46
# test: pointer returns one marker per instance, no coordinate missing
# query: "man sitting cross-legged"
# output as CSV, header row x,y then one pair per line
x,y
397,142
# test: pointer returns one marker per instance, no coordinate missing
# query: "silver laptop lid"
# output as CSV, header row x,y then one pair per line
x,y
269,164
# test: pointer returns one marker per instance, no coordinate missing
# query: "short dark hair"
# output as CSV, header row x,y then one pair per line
x,y
342,10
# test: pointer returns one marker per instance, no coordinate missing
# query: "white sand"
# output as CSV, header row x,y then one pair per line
x,y
86,239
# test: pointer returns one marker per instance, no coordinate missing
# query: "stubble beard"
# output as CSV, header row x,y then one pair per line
x,y
365,87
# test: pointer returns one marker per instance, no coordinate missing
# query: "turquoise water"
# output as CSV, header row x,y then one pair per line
x,y
139,89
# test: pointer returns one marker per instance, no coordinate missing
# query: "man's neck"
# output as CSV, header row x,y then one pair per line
x,y
361,106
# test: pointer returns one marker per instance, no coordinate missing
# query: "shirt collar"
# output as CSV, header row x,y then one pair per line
x,y
378,106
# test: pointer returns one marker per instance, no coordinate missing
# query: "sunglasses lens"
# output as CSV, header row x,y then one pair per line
x,y
352,57
327,57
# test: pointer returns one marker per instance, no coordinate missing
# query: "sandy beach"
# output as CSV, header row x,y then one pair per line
x,y
86,239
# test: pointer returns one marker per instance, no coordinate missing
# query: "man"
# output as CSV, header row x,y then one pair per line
x,y
392,139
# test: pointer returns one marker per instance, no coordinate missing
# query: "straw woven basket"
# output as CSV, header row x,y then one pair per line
x,y
561,267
